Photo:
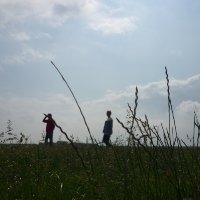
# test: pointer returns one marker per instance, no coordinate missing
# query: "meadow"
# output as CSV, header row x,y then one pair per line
x,y
149,165
119,172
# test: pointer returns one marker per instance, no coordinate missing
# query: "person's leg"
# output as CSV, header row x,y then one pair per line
x,y
46,139
106,139
51,138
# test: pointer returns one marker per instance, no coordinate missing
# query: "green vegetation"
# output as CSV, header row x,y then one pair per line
x,y
42,172
152,165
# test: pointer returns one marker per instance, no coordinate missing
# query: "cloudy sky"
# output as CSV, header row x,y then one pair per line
x,y
104,49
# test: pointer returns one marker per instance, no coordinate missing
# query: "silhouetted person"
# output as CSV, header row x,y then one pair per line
x,y
49,128
107,130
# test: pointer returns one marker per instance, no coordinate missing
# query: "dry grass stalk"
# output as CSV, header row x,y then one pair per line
x,y
84,119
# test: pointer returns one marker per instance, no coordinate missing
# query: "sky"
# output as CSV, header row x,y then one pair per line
x,y
104,49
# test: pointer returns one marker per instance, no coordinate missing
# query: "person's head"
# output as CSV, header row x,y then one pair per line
x,y
108,113
49,115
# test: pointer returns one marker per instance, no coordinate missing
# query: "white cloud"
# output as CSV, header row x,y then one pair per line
x,y
21,36
187,107
153,102
110,25
152,90
41,35
184,113
26,113
99,16
105,19
27,54
186,82
25,36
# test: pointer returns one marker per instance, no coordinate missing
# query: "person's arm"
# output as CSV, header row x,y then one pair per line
x,y
104,127
44,120
55,123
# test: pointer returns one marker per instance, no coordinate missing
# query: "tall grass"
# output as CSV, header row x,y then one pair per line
x,y
168,153
152,165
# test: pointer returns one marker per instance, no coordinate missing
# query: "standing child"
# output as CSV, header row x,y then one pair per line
x,y
49,128
107,130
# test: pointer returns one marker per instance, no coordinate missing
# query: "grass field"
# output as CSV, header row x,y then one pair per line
x,y
43,172
152,165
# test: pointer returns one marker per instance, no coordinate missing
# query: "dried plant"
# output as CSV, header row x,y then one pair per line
x,y
9,137
75,99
